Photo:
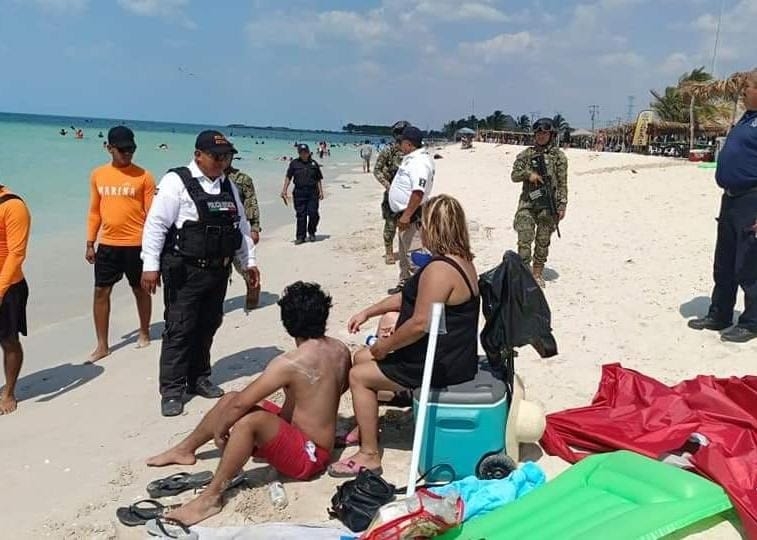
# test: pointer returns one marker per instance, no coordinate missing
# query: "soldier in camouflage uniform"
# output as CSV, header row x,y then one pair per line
x,y
533,220
250,201
386,166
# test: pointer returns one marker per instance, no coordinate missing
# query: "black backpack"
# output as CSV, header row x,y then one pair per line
x,y
516,314
357,501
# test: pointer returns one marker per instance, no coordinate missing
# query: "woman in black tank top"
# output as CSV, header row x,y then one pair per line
x,y
396,362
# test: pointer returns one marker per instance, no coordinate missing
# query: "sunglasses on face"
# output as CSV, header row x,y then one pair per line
x,y
127,149
220,157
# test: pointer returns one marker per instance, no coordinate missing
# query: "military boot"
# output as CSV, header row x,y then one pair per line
x,y
538,272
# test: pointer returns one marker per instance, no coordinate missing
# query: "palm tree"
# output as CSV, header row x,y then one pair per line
x,y
524,122
561,126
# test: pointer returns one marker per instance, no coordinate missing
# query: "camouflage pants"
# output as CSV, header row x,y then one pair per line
x,y
390,224
534,227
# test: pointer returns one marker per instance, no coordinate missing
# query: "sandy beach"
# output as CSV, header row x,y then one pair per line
x,y
633,264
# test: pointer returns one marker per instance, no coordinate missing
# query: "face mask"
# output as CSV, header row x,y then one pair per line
x,y
421,258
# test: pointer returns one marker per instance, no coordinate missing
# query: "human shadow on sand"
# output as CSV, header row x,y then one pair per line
x,y
53,382
155,332
266,299
243,363
698,307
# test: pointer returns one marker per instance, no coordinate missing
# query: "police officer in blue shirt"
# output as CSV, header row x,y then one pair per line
x,y
308,191
736,249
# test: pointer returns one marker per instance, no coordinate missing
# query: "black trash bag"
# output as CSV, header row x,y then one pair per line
x,y
516,314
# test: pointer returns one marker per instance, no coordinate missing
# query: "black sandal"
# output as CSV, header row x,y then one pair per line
x,y
178,483
141,512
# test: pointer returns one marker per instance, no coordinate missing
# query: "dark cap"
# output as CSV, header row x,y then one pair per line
x,y
121,137
303,148
214,142
412,134
544,124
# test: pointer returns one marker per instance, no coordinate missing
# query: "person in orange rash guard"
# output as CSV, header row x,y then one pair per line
x,y
14,292
120,196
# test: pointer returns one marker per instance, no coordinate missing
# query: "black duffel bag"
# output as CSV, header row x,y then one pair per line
x,y
357,501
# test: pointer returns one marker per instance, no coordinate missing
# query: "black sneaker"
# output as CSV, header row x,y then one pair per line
x,y
311,238
299,241
708,323
738,334
204,388
171,406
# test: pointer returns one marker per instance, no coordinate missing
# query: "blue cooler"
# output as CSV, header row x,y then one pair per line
x,y
464,423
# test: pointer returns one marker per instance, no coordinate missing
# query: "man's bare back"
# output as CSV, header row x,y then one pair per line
x,y
316,376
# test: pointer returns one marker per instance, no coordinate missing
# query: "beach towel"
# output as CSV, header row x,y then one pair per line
x,y
271,531
483,496
635,412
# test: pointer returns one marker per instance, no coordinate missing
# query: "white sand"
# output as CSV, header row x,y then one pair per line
x,y
634,262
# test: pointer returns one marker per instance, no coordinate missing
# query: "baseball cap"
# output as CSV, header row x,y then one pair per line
x,y
412,134
214,142
303,148
121,137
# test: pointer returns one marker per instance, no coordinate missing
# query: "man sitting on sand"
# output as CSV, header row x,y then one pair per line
x,y
296,439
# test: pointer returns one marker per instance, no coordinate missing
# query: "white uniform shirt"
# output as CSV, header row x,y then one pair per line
x,y
416,173
172,205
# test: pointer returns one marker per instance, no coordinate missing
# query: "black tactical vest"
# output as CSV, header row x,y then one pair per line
x,y
215,235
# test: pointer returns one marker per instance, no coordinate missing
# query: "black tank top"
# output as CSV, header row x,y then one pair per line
x,y
456,351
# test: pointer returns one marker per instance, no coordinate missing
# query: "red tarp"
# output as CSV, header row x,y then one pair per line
x,y
634,412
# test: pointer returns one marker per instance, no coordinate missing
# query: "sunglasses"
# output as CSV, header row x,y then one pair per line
x,y
127,149
220,157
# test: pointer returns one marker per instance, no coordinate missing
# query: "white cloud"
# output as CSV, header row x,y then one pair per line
x,y
451,10
317,28
675,64
499,48
630,59
170,10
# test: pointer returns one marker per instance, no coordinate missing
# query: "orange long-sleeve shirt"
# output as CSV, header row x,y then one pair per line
x,y
119,201
15,223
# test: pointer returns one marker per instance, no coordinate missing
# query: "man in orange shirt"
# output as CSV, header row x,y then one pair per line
x,y
14,236
121,194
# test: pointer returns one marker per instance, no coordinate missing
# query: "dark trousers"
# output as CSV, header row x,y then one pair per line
x,y
193,300
736,260
306,208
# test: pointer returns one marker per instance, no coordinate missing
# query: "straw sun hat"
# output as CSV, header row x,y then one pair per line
x,y
525,421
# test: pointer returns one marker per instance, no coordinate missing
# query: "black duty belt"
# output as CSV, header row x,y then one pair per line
x,y
208,263
741,192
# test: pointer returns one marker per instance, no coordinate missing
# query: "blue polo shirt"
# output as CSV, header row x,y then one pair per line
x,y
737,161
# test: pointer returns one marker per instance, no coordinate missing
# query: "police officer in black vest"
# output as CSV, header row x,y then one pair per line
x,y
196,226
308,191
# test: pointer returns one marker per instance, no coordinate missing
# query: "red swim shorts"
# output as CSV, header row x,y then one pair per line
x,y
291,452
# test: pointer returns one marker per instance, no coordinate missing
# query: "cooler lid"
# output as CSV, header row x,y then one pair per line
x,y
484,389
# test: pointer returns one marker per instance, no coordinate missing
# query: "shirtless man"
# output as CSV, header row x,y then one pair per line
x,y
296,439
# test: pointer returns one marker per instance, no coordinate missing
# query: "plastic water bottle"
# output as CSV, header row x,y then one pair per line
x,y
278,495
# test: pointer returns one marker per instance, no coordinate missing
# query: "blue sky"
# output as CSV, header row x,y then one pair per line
x,y
321,64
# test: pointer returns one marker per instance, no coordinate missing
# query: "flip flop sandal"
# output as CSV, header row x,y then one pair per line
x,y
351,469
346,440
239,480
141,512
170,528
402,399
178,483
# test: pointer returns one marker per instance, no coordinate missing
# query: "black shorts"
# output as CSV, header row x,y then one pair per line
x,y
112,262
13,311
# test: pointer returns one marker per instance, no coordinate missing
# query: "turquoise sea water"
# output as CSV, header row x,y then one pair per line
x,y
51,172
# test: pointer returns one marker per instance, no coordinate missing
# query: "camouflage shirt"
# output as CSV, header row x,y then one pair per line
x,y
249,199
387,163
557,165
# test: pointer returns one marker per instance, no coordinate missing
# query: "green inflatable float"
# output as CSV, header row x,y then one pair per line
x,y
618,495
